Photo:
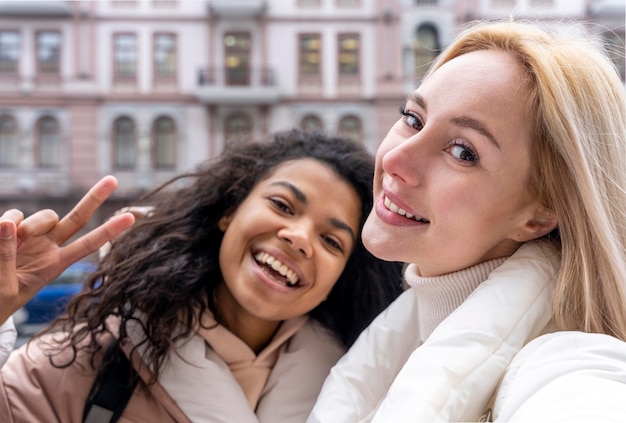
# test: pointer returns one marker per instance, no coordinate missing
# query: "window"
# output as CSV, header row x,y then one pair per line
x,y
124,3
9,51
348,3
542,3
350,127
503,3
164,144
124,144
48,143
311,123
309,3
237,52
237,126
425,49
164,56
8,142
310,46
125,56
164,3
349,54
48,52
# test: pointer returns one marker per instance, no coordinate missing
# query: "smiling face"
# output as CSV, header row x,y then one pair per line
x,y
286,244
450,185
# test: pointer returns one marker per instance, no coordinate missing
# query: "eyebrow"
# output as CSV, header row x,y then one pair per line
x,y
463,121
477,126
301,197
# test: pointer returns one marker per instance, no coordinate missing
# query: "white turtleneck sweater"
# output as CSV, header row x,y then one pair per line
x,y
439,296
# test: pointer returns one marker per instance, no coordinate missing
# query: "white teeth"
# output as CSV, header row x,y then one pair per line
x,y
277,265
394,208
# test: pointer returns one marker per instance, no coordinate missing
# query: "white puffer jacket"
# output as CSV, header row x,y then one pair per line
x,y
388,377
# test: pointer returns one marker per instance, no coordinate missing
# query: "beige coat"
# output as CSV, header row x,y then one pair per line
x,y
32,390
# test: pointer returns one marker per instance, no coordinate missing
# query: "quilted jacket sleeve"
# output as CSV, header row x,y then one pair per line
x,y
565,377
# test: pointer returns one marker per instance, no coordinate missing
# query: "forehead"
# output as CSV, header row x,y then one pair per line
x,y
296,168
311,174
479,76
488,86
318,187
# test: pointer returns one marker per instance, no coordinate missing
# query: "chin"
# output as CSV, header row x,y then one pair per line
x,y
376,244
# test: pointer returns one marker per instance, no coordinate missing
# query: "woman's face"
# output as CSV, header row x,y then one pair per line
x,y
288,242
450,187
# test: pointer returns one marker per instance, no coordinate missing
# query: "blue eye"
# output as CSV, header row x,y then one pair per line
x,y
411,119
462,152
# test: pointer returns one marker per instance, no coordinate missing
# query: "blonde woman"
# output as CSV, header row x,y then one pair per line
x,y
503,184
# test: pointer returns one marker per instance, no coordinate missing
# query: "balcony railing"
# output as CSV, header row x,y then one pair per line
x,y
221,85
46,8
220,76
237,8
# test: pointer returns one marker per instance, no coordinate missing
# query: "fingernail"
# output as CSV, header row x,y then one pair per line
x,y
6,231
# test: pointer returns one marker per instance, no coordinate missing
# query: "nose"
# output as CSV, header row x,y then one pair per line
x,y
403,161
298,236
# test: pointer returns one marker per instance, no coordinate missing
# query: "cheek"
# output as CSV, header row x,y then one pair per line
x,y
327,277
469,207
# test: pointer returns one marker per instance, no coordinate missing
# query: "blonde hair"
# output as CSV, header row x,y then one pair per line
x,y
578,163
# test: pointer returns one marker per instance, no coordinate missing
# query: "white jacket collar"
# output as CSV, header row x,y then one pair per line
x,y
451,377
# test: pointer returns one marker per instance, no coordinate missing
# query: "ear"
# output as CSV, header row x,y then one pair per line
x,y
541,222
224,222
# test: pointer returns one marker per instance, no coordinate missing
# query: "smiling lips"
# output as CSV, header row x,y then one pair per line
x,y
394,208
289,277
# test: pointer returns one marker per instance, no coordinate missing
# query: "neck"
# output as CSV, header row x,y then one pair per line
x,y
256,333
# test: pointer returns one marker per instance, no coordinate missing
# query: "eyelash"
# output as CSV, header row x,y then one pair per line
x,y
406,115
332,243
410,115
284,207
459,143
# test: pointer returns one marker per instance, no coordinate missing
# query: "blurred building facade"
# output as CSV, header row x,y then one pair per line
x,y
146,89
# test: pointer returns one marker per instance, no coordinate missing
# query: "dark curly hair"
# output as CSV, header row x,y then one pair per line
x,y
166,266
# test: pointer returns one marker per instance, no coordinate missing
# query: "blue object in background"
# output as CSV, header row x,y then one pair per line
x,y
52,299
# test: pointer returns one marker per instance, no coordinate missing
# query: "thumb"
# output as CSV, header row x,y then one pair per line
x,y
8,245
8,254
9,287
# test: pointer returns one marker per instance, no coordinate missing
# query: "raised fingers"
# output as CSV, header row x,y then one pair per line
x,y
92,241
86,207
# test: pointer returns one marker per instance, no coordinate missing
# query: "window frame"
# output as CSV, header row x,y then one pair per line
x,y
123,77
15,144
56,162
156,147
116,163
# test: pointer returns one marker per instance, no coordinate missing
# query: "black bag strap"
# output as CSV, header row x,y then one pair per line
x,y
112,389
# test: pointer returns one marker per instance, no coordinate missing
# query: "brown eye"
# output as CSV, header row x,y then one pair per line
x,y
462,152
281,205
332,243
